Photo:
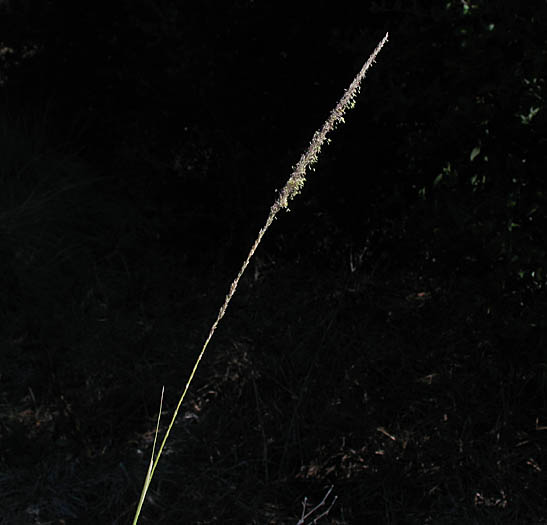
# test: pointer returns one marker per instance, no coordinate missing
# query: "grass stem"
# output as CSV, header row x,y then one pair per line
x,y
290,190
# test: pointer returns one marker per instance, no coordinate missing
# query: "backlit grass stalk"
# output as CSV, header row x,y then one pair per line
x,y
290,190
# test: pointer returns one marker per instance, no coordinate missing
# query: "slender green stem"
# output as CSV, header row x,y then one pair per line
x,y
151,466
290,190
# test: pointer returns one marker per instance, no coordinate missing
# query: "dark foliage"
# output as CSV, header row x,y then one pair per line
x,y
390,337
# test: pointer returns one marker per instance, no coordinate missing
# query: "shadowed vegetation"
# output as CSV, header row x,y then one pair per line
x,y
389,337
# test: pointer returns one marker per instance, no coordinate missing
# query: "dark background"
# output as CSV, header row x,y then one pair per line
x,y
389,337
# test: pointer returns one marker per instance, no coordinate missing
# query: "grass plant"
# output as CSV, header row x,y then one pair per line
x,y
291,189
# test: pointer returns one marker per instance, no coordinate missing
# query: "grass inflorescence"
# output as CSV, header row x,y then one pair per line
x,y
291,189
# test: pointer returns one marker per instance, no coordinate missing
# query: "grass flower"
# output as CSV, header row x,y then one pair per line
x,y
291,189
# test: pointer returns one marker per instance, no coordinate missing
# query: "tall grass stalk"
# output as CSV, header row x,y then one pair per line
x,y
290,190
